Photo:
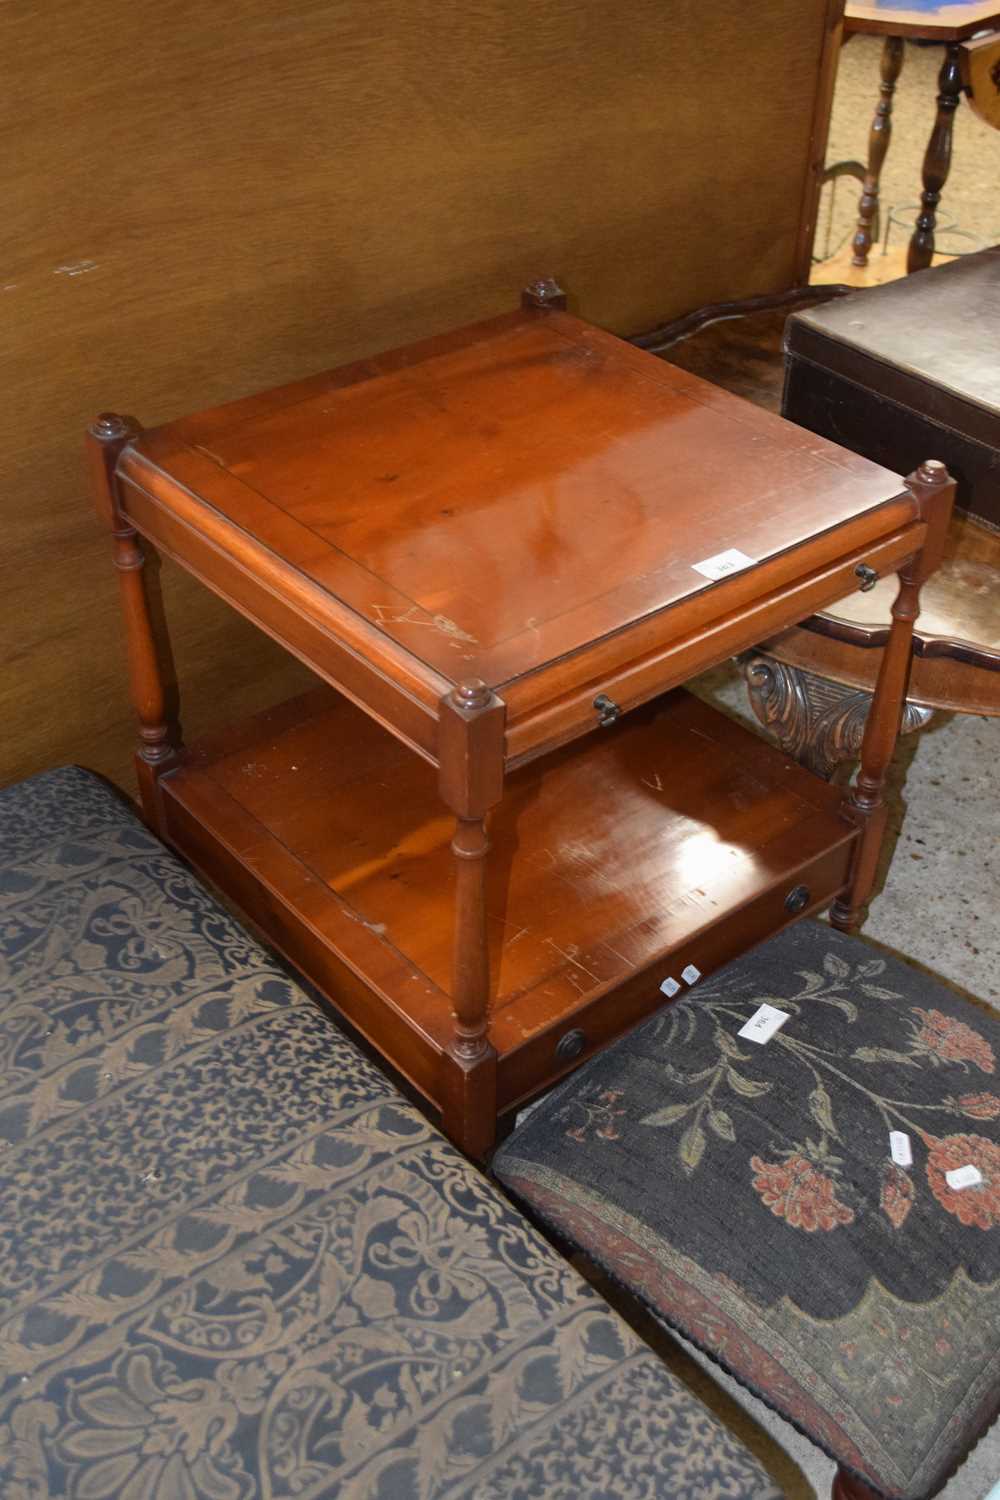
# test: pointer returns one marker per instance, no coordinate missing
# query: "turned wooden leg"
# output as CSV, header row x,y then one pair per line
x,y
935,494
937,160
819,723
471,771
848,1487
470,959
878,144
158,733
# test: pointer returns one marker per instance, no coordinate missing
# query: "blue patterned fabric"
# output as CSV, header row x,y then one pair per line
x,y
234,1263
747,1193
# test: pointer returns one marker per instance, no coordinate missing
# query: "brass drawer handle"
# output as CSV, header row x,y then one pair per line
x,y
570,1045
607,710
798,899
868,576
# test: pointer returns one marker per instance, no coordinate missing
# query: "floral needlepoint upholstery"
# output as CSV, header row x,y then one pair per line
x,y
747,1192
235,1264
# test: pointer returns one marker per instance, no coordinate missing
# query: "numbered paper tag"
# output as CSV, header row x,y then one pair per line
x,y
763,1024
963,1177
723,563
899,1148
690,974
670,987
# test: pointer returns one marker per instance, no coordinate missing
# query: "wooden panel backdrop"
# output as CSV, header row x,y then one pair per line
x,y
204,200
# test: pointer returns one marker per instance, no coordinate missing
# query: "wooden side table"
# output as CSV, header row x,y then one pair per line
x,y
493,836
950,23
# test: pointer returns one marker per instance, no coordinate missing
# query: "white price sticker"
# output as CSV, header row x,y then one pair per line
x,y
670,987
763,1024
690,974
963,1177
899,1148
723,563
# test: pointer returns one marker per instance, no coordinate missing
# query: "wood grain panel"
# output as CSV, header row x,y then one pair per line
x,y
203,201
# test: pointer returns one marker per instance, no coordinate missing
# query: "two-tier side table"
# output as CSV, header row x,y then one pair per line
x,y
497,832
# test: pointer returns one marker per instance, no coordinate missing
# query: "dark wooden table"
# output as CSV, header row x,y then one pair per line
x,y
950,24
492,834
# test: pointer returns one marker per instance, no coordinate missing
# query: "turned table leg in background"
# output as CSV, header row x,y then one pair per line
x,y
878,145
937,160
471,780
159,732
935,493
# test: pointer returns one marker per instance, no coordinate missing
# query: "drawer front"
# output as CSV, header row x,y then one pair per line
x,y
585,701
551,1054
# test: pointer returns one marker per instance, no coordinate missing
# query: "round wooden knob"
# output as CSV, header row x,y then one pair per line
x,y
472,694
798,899
570,1045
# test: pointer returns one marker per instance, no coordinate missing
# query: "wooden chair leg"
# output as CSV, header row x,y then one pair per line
x,y
158,730
848,1487
878,145
937,160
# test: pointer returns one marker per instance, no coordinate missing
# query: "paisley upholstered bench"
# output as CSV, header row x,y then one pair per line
x,y
235,1263
817,1206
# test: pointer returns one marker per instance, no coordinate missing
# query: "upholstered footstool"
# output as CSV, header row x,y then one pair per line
x,y
745,1189
235,1264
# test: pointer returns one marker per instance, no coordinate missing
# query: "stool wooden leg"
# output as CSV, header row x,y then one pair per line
x,y
471,773
878,144
935,493
937,160
848,1487
158,731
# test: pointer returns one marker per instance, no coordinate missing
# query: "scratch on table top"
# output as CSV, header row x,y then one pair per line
x,y
76,268
571,958
656,784
379,928
390,614
628,961
199,448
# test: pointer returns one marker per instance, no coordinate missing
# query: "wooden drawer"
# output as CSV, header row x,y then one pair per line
x,y
562,1047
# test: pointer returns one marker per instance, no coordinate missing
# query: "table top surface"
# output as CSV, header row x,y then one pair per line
x,y
497,498
944,20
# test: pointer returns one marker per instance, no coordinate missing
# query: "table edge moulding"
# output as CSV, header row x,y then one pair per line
x,y
739,843
950,22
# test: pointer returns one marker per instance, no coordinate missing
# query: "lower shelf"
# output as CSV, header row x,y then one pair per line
x,y
674,839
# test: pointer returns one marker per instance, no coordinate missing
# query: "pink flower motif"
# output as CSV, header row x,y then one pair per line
x,y
793,1190
978,1206
944,1039
897,1194
980,1106
601,1114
